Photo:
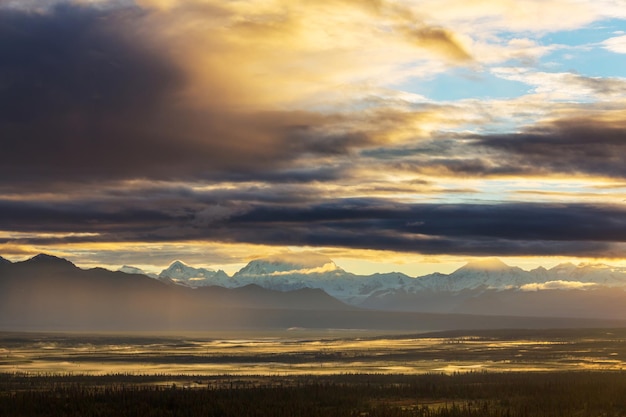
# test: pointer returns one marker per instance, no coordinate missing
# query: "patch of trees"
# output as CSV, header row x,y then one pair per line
x,y
562,394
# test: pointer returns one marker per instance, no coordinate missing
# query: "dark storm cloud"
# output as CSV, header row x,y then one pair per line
x,y
504,229
94,217
503,221
75,90
577,145
515,229
76,60
293,175
574,145
85,96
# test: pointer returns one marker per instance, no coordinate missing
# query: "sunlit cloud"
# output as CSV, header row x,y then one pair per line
x,y
558,285
270,54
566,86
616,44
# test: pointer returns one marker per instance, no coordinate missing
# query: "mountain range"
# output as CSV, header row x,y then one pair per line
x,y
46,292
486,286
488,273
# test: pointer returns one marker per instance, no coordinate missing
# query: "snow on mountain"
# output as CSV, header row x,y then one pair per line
x,y
355,288
563,270
134,270
296,271
488,274
540,274
489,277
290,272
486,286
310,270
286,273
195,277
302,263
599,274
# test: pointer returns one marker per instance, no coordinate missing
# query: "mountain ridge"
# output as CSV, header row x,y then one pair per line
x,y
36,296
181,273
489,273
486,286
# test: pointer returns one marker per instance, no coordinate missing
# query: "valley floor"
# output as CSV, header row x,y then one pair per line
x,y
301,352
300,373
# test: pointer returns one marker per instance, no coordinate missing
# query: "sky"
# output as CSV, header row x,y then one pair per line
x,y
399,135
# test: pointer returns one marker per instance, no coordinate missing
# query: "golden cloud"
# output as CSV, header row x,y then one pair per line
x,y
275,53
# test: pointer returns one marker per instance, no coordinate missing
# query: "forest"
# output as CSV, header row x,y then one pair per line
x,y
512,394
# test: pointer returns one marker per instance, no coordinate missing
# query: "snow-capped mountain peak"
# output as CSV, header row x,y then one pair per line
x,y
563,269
596,273
483,273
182,273
131,270
265,267
487,264
286,264
127,269
300,270
179,269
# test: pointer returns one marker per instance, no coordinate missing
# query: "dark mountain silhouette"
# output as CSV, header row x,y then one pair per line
x,y
600,302
49,293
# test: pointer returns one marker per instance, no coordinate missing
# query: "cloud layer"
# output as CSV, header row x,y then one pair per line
x,y
503,229
313,124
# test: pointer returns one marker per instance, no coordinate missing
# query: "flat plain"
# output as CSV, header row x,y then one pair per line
x,y
315,373
298,352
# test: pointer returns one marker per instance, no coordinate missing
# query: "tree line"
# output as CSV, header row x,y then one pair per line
x,y
554,394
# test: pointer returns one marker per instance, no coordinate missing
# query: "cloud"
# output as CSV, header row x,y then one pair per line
x,y
558,285
329,267
274,54
211,215
303,262
574,145
515,15
277,123
501,229
565,86
567,142
214,91
615,44
438,39
191,91
465,229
